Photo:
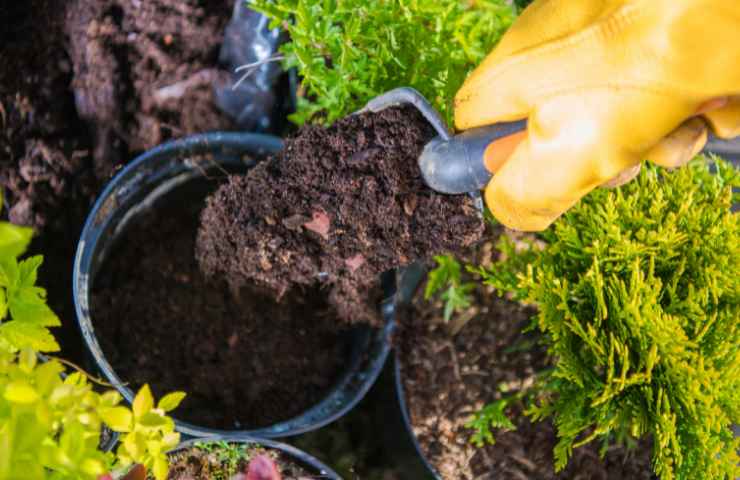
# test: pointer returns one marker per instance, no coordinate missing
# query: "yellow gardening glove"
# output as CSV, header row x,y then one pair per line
x,y
604,84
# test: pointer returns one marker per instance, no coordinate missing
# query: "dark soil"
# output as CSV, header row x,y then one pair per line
x,y
78,85
212,463
144,71
245,360
347,201
449,377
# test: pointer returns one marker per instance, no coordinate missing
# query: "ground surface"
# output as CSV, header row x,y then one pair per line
x,y
81,95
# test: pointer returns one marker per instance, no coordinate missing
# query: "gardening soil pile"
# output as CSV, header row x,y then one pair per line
x,y
341,204
85,86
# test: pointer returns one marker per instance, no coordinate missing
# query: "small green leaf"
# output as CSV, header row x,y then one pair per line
x,y
20,391
27,360
152,420
161,467
3,304
14,240
111,398
171,401
143,402
23,335
118,419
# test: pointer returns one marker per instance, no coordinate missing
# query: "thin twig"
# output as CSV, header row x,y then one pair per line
x,y
81,370
252,67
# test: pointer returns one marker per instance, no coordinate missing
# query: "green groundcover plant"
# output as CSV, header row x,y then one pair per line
x,y
349,51
638,296
51,419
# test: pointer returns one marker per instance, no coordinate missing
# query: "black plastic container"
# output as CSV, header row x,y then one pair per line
x,y
149,178
314,466
408,284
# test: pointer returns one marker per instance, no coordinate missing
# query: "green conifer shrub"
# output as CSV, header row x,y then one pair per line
x,y
638,292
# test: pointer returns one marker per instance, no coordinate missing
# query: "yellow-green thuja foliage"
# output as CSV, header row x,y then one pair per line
x,y
638,291
50,421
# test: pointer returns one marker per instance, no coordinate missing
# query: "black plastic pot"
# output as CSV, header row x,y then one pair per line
x,y
315,467
150,177
408,284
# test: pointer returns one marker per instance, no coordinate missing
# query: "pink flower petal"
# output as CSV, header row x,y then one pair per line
x,y
319,224
263,467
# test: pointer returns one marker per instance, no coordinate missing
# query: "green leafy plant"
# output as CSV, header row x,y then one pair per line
x,y
446,278
228,461
24,316
349,51
229,455
50,419
491,416
638,292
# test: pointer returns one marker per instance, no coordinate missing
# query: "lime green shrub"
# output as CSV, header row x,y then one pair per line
x,y
50,420
349,51
638,291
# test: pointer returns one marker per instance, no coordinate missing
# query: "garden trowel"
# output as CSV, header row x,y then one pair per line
x,y
451,163
464,163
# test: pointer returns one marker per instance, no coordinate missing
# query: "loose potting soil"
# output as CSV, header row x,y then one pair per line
x,y
213,462
343,203
448,377
244,359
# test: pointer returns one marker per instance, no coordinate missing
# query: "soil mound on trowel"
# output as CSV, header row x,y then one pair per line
x,y
338,205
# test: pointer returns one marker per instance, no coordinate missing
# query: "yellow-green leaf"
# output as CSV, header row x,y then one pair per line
x,y
3,304
143,401
118,419
111,398
170,401
23,335
14,239
152,420
27,360
92,467
20,391
161,467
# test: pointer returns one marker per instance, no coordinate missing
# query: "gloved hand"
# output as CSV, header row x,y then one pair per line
x,y
605,84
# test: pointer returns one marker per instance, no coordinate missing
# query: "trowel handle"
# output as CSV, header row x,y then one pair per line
x,y
465,162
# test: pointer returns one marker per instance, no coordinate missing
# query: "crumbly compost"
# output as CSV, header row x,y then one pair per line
x,y
342,204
